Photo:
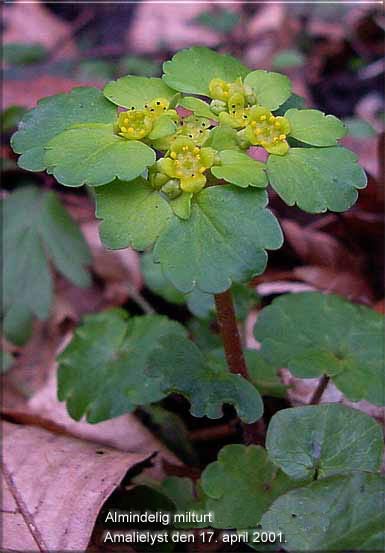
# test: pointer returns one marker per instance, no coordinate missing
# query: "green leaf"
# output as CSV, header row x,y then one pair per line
x,y
52,116
240,169
132,91
313,334
181,205
37,228
192,70
359,128
272,89
157,283
293,102
318,441
344,513
241,485
178,366
163,126
222,21
317,179
198,107
95,155
101,370
288,59
224,240
222,138
314,127
17,53
124,206
264,375
11,117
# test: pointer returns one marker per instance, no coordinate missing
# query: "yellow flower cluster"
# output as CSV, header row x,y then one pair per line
x,y
136,124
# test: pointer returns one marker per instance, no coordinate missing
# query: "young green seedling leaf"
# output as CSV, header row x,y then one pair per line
x,y
101,370
317,179
124,206
37,229
224,240
95,155
52,116
318,441
313,334
341,513
192,70
177,365
241,485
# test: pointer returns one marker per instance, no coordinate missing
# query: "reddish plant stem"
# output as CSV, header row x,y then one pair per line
x,y
318,392
230,334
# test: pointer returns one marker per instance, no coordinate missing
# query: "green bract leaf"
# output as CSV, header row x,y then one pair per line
x,y
264,375
124,207
317,179
131,91
222,138
179,366
163,126
272,89
101,370
224,240
54,115
293,102
95,155
199,107
324,440
240,169
335,514
37,228
241,485
314,127
313,334
181,205
192,70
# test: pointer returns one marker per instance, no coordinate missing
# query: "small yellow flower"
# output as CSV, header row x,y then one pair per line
x,y
221,90
266,130
187,162
196,128
158,107
134,124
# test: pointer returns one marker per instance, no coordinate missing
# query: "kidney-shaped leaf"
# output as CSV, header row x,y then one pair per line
x,y
192,70
179,366
317,179
313,334
241,485
324,440
37,228
314,127
95,155
101,370
224,240
133,213
341,513
272,89
52,116
240,169
133,92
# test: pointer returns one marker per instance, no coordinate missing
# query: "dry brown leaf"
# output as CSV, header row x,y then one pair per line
x,y
48,474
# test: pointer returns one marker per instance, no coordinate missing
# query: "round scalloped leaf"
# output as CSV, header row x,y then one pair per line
x,y
198,107
224,239
240,169
124,206
313,334
54,115
342,513
318,441
314,127
317,179
241,485
95,155
156,282
179,367
134,92
192,70
101,370
272,89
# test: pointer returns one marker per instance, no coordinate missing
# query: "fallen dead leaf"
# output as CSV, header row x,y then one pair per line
x,y
47,475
